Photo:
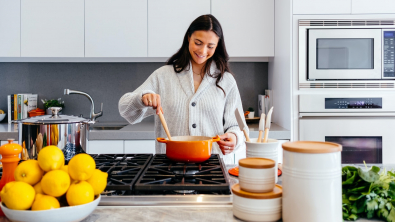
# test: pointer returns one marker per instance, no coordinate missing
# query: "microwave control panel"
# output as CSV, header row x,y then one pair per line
x,y
353,103
389,54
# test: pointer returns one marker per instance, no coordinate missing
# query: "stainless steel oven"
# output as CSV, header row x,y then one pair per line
x,y
364,125
346,54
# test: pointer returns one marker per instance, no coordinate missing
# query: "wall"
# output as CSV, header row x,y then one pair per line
x,y
106,83
280,67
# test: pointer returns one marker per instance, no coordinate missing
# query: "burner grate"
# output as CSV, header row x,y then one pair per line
x,y
123,169
163,175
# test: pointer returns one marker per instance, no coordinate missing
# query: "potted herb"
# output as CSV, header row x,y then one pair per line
x,y
52,103
251,112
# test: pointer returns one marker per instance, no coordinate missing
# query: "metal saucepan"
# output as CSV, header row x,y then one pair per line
x,y
69,133
192,149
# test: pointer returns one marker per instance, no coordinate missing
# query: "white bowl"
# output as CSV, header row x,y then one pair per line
x,y
2,116
63,214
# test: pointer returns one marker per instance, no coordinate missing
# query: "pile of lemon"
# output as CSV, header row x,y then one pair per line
x,y
46,183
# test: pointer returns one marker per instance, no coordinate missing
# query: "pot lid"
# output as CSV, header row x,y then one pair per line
x,y
257,163
311,147
55,118
276,193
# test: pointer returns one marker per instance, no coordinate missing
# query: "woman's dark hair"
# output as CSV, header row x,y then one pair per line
x,y
181,59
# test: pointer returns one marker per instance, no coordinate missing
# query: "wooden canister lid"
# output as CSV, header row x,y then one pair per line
x,y
257,163
312,147
277,192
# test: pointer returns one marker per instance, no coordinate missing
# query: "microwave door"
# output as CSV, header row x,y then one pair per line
x,y
363,138
344,54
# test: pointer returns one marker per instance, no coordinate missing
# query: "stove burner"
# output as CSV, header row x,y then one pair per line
x,y
123,169
163,175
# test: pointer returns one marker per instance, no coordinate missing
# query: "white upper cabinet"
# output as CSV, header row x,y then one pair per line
x,y
10,35
369,6
168,21
116,28
52,28
248,26
322,7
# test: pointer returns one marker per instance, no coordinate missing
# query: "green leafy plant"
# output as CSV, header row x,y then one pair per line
x,y
250,109
368,193
53,103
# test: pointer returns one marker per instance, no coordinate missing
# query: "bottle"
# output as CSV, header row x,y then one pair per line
x,y
10,158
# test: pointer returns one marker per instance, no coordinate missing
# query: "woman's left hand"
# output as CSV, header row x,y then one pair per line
x,y
227,143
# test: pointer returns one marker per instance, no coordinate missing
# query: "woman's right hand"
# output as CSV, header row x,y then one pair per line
x,y
152,100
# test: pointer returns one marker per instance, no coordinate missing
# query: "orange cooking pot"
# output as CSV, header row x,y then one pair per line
x,y
192,149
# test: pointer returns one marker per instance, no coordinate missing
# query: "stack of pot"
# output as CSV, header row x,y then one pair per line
x,y
257,197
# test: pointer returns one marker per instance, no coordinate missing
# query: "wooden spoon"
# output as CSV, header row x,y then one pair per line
x,y
163,121
268,122
261,127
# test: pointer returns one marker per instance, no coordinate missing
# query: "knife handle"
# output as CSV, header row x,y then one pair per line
x,y
266,135
246,135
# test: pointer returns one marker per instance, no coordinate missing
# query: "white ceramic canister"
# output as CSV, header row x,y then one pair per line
x,y
267,150
312,182
257,206
256,174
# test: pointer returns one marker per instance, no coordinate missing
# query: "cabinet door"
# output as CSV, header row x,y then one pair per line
x,y
248,26
140,146
168,22
52,28
369,6
10,35
105,147
116,28
322,7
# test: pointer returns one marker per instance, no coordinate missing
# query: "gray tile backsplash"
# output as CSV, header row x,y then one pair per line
x,y
106,83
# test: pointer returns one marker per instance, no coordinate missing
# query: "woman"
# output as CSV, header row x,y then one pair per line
x,y
195,89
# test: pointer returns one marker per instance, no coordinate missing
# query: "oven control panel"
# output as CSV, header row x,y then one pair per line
x,y
389,54
353,103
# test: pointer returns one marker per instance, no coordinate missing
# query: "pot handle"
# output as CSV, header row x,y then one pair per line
x,y
161,140
216,139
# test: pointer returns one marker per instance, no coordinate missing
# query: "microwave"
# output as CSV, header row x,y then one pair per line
x,y
350,54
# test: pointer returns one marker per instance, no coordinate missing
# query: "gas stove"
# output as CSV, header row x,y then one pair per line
x,y
146,179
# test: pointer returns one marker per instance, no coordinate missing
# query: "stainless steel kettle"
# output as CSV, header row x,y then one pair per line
x,y
69,133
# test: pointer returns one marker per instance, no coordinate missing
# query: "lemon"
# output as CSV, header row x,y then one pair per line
x,y
50,158
1,111
81,167
98,181
38,188
28,171
45,202
65,168
80,192
18,195
55,183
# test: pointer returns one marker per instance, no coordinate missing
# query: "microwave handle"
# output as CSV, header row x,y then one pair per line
x,y
301,115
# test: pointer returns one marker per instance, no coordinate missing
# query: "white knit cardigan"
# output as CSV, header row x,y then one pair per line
x,y
213,113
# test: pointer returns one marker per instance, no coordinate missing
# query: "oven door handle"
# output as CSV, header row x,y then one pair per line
x,y
348,114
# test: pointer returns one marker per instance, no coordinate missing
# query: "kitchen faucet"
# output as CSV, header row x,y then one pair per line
x,y
93,115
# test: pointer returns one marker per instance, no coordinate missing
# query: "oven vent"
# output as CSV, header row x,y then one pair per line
x,y
346,85
346,22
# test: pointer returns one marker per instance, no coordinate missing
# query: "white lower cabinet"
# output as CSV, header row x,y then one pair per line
x,y
139,146
121,146
105,147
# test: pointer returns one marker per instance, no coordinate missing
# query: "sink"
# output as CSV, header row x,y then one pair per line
x,y
107,127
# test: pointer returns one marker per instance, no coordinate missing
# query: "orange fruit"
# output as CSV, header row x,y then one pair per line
x,y
18,195
98,181
80,192
55,183
50,158
81,167
45,202
28,171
